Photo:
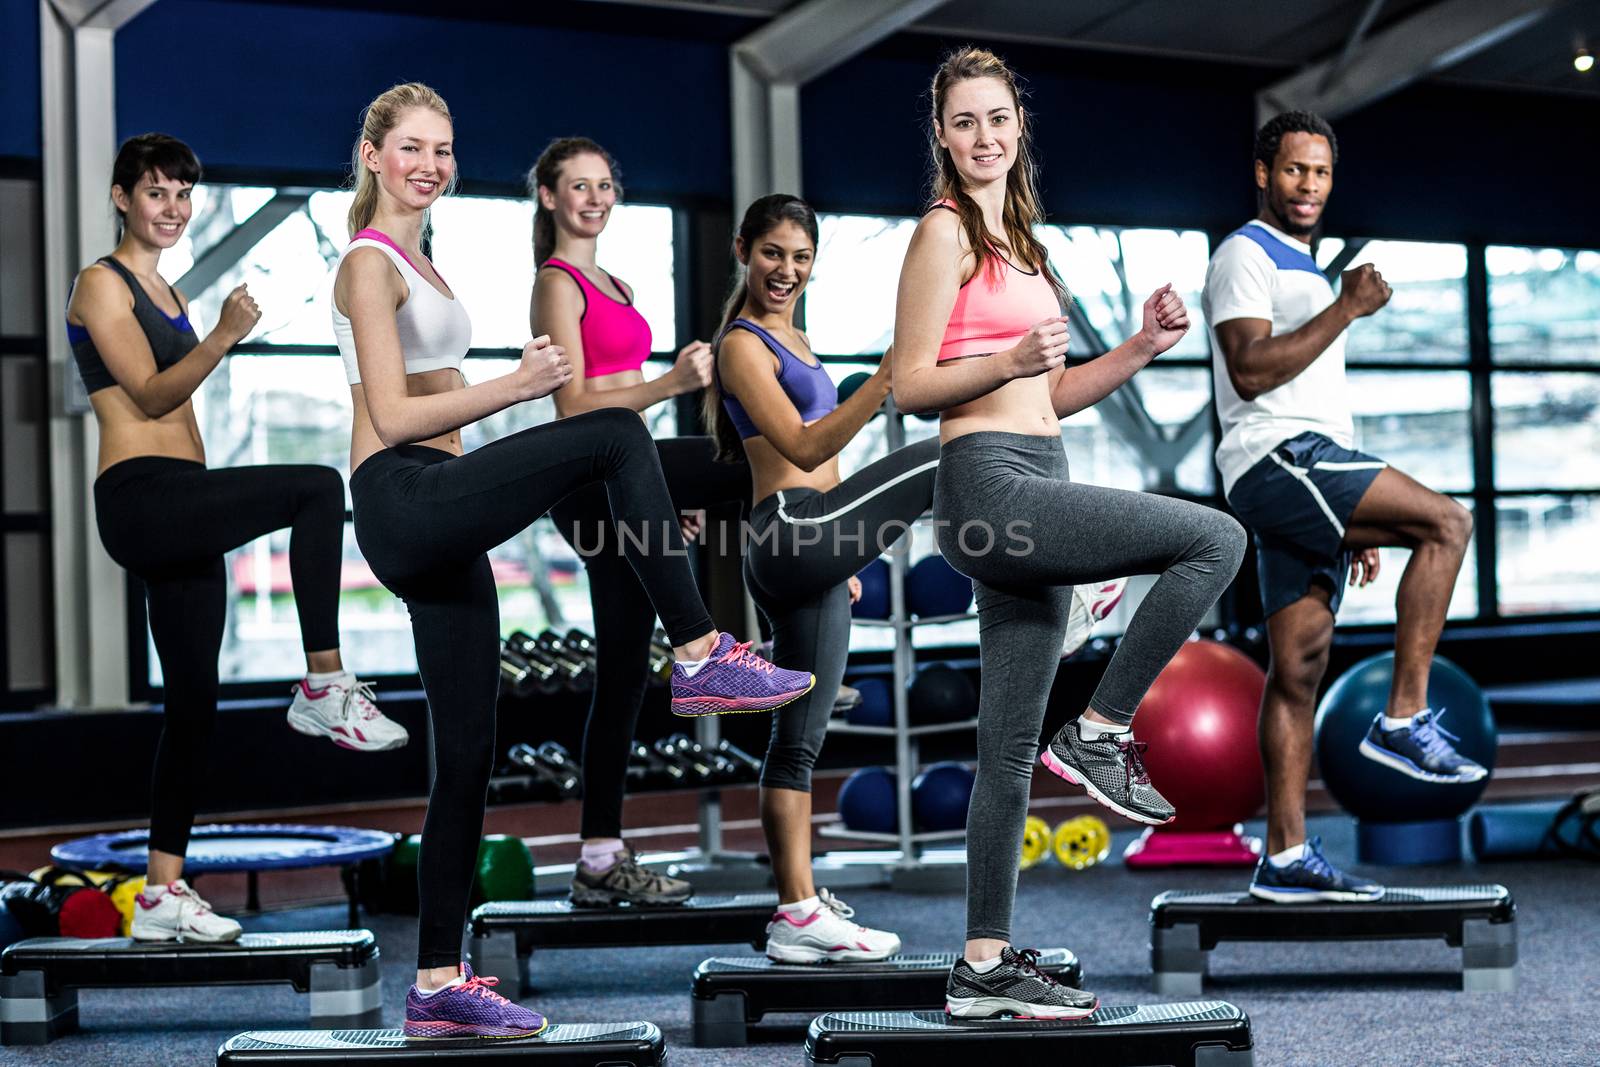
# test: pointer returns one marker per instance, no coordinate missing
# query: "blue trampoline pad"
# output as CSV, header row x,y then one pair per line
x,y
233,848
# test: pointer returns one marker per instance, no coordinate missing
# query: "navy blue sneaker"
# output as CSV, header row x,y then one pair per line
x,y
1307,879
1421,750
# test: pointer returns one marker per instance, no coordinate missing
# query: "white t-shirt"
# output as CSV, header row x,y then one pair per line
x,y
1259,272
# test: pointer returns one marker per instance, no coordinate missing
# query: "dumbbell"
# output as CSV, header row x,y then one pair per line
x,y
565,779
530,648
749,767
582,645
721,766
524,676
563,646
644,763
660,659
695,771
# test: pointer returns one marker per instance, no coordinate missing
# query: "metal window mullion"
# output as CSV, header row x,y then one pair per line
x,y
1479,361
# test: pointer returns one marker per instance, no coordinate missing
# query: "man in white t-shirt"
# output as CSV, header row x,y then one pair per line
x,y
1289,470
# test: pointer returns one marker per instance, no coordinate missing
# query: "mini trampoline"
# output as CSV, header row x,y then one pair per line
x,y
240,848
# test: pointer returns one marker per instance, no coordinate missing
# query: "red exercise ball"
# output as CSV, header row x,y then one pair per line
x,y
1199,719
88,912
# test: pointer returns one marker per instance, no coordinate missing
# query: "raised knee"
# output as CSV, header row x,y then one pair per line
x,y
1455,525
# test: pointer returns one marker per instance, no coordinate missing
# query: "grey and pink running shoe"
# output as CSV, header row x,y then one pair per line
x,y
734,679
471,1009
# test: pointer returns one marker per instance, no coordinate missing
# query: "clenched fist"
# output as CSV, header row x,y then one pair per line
x,y
239,316
1363,290
544,368
1043,348
692,370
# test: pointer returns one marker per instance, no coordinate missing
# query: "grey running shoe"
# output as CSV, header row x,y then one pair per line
x,y
625,882
1016,987
1111,768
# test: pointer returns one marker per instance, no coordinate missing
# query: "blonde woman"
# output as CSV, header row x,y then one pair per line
x,y
426,515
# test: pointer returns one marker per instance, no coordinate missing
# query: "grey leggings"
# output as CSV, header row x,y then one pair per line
x,y
1046,534
804,546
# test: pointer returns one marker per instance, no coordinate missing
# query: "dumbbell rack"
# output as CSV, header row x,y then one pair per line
x,y
913,866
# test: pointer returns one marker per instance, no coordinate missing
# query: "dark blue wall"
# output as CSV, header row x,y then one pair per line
x,y
280,89
1141,140
275,90
19,78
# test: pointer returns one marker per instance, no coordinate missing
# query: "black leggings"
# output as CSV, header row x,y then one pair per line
x,y
623,616
168,522
425,520
804,545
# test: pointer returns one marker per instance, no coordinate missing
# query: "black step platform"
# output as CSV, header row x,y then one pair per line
x,y
731,992
1479,919
561,1045
505,933
1208,1033
40,977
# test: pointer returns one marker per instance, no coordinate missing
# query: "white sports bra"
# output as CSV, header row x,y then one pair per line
x,y
435,331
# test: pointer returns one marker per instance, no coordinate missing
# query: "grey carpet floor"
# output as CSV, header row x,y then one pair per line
x,y
1369,1004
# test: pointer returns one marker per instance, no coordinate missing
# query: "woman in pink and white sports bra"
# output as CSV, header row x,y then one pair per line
x,y
592,315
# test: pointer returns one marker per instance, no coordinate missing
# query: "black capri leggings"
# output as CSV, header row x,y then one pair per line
x,y
624,618
804,545
168,522
425,520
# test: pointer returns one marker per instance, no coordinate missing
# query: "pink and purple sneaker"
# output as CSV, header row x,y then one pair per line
x,y
733,678
471,1009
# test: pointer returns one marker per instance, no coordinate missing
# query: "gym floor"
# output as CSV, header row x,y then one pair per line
x,y
1371,1004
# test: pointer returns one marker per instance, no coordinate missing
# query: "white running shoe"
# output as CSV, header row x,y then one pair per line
x,y
178,913
1090,604
827,936
346,716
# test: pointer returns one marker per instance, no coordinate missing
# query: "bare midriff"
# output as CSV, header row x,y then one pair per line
x,y
127,433
364,440
1020,406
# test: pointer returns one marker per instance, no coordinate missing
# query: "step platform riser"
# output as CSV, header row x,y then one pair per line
x,y
1203,1034
729,994
633,1044
1480,920
39,989
505,934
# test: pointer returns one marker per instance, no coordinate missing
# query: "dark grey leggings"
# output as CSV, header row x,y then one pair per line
x,y
1026,535
803,547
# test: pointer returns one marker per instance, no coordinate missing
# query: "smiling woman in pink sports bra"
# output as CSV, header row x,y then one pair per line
x,y
980,338
592,315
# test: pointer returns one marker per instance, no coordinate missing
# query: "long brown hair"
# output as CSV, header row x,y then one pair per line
x,y
760,219
546,172
1022,210
380,117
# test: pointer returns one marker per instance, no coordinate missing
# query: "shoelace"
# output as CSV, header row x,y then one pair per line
x,y
1315,861
1133,762
184,893
479,986
1029,960
741,656
363,697
1427,733
628,867
835,905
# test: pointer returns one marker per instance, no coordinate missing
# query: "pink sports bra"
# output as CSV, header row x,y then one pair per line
x,y
615,336
996,307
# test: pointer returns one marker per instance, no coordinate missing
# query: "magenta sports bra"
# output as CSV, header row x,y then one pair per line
x,y
615,336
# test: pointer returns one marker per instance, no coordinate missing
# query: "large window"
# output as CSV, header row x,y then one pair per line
x,y
273,403
1544,333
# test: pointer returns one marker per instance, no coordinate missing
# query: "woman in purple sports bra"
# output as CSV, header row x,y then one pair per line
x,y
592,316
773,404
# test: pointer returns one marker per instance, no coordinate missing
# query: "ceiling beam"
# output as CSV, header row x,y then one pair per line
x,y
1434,39
813,38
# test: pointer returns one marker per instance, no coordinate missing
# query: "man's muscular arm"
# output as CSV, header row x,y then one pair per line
x,y
1258,362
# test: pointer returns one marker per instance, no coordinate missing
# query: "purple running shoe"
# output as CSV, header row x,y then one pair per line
x,y
472,1009
735,679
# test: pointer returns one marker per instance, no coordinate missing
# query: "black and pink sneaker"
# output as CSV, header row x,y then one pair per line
x,y
471,1009
733,679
